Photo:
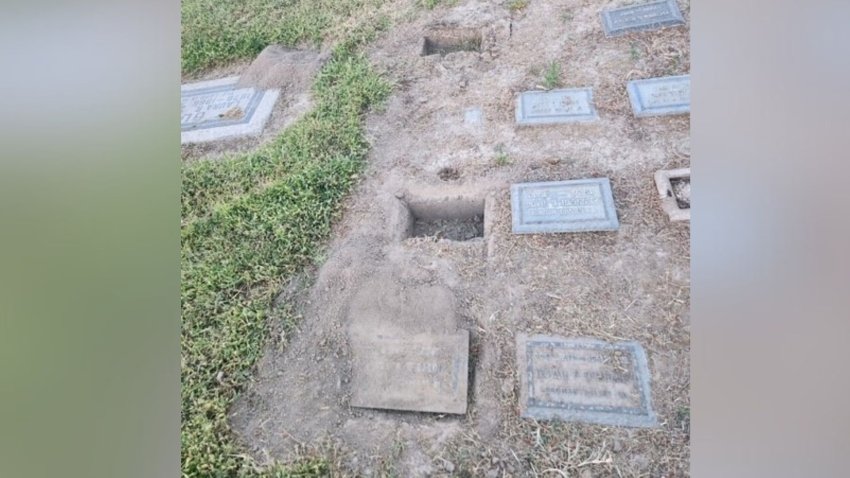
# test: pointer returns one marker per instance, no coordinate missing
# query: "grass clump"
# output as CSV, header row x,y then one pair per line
x,y
634,52
501,158
248,224
552,76
517,5
431,4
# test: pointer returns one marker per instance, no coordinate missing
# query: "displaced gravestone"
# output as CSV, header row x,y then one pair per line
x,y
556,106
579,205
674,188
425,373
584,380
217,109
669,95
646,16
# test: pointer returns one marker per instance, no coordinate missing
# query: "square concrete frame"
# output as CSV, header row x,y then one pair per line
x,y
253,123
668,198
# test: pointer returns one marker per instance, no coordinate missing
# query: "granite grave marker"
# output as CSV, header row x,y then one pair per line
x,y
669,95
218,109
580,205
425,373
473,116
584,380
645,16
556,106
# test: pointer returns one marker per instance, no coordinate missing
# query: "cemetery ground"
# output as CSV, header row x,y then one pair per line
x,y
297,244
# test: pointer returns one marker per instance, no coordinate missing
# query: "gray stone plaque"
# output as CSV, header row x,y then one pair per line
x,y
670,95
646,16
217,109
584,380
580,205
425,373
556,106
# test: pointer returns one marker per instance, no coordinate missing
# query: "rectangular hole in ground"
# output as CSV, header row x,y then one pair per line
x,y
452,219
445,42
682,191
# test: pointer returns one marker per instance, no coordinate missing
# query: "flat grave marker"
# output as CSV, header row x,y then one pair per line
x,y
674,188
423,373
218,109
556,106
646,16
580,205
584,380
669,95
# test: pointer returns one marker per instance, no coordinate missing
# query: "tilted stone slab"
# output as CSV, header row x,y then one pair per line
x,y
584,380
556,106
646,16
423,373
669,95
218,109
580,205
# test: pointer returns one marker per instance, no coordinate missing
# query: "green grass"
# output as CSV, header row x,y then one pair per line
x,y
552,76
634,52
248,224
501,158
215,32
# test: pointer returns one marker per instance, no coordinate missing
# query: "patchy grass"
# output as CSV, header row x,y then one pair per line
x,y
249,223
552,76
517,5
215,32
431,4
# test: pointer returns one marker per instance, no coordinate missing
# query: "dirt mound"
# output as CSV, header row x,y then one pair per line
x,y
285,68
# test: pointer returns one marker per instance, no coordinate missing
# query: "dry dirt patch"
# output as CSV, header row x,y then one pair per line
x,y
632,284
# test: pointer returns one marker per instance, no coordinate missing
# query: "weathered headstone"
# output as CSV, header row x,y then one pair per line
x,y
670,95
556,106
646,16
674,188
584,380
580,205
217,109
425,373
